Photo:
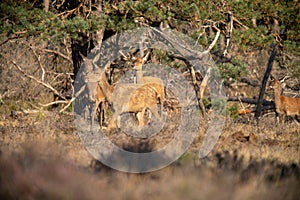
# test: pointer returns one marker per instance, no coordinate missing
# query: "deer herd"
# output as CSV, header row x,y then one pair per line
x,y
148,94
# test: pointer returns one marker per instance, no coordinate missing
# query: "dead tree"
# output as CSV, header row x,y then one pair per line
x,y
264,82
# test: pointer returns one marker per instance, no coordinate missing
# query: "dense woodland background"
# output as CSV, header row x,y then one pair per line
x,y
49,38
42,46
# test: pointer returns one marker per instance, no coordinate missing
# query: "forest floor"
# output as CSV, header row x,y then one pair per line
x,y
42,157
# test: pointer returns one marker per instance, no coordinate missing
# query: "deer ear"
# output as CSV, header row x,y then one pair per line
x,y
284,78
134,58
146,56
283,85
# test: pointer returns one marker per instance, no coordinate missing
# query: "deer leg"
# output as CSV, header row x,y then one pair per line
x,y
101,113
112,122
116,120
94,113
105,107
284,118
149,116
154,111
91,117
281,119
160,105
276,118
104,112
140,117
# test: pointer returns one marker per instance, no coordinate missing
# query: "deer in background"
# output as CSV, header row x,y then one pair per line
x,y
285,106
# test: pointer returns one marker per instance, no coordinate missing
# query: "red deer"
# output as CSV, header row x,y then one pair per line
x,y
285,106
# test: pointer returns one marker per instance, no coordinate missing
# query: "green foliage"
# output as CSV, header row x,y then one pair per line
x,y
265,12
245,10
219,105
40,116
161,56
206,103
295,69
46,25
79,24
186,158
189,17
292,46
255,37
232,111
70,108
232,71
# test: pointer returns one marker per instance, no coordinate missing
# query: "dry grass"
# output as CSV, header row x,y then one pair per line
x,y
42,158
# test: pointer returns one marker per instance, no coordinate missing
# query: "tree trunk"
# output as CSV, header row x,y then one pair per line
x,y
264,82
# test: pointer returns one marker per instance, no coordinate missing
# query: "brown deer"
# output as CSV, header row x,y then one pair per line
x,y
96,95
285,106
157,83
135,98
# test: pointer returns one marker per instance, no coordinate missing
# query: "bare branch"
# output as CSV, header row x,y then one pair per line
x,y
240,23
8,39
54,103
200,35
73,99
70,102
204,82
60,54
215,40
229,33
38,81
67,13
38,60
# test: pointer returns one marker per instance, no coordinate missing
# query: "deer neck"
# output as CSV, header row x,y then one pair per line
x,y
139,77
106,88
277,95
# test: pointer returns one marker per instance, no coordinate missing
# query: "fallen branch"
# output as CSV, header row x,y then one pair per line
x,y
70,102
54,103
73,98
251,101
8,39
33,111
249,82
65,101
